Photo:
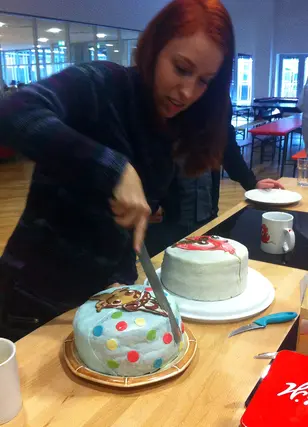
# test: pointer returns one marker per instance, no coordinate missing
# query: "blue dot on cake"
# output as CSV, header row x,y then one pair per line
x,y
98,331
158,363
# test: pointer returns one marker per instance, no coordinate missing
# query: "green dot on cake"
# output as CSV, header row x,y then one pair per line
x,y
151,335
112,364
117,315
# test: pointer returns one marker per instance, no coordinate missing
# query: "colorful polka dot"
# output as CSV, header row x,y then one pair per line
x,y
112,345
166,293
117,315
133,356
149,289
121,326
181,346
151,335
158,363
112,364
98,331
182,328
167,338
140,321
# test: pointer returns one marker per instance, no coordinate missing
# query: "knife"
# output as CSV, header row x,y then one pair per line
x,y
264,321
271,356
159,292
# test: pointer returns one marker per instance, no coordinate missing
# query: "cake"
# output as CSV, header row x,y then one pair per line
x,y
206,268
124,332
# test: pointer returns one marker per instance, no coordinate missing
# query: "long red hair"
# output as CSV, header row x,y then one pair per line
x,y
203,128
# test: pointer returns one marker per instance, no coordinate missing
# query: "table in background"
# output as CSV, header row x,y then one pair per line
x,y
264,106
211,393
281,128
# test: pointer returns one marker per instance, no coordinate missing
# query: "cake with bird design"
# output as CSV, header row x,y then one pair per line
x,y
124,332
205,268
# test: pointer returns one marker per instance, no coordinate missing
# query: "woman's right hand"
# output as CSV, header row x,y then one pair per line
x,y
129,205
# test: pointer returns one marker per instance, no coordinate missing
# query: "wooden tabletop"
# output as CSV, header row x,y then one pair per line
x,y
211,393
281,127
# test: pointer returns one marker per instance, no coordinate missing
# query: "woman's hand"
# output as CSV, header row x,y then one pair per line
x,y
129,205
269,183
157,217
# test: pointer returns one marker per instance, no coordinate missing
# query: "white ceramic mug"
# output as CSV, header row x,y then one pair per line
x,y
277,235
10,394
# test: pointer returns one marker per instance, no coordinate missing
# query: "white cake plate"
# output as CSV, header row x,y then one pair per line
x,y
258,295
273,197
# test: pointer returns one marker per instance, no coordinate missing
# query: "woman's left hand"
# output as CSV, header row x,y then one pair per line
x,y
269,183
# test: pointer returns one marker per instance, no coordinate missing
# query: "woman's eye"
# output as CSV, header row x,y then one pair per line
x,y
182,71
204,82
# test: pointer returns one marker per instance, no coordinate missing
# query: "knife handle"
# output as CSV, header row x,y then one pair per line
x,y
276,318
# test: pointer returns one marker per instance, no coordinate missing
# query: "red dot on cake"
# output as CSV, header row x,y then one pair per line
x,y
167,338
182,327
149,289
121,326
133,356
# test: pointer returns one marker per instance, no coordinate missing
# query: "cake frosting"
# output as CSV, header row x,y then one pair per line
x,y
206,268
124,332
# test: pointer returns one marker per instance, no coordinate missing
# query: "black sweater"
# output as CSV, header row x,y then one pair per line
x,y
80,127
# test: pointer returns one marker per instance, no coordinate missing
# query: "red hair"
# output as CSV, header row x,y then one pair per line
x,y
203,128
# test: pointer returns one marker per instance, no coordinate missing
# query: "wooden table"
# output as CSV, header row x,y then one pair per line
x,y
280,128
211,393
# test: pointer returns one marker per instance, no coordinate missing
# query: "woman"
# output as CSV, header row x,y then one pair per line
x,y
105,140
192,203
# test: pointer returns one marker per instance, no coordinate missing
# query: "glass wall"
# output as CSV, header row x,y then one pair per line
x,y
292,75
241,83
34,48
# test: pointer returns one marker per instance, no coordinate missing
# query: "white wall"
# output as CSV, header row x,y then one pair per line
x,y
253,24
291,26
130,14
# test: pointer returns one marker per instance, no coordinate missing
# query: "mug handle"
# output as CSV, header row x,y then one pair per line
x,y
289,244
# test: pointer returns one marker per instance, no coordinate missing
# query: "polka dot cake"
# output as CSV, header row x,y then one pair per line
x,y
123,332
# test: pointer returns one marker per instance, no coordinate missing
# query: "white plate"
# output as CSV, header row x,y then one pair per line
x,y
258,295
273,197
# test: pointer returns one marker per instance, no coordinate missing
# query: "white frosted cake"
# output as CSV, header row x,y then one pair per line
x,y
123,332
206,268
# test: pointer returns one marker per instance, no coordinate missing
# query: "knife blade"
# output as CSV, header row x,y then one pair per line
x,y
261,323
271,356
159,292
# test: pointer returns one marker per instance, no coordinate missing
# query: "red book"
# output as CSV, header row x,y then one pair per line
x,y
282,397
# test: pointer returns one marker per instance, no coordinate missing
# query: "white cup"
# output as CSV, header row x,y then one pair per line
x,y
277,235
10,394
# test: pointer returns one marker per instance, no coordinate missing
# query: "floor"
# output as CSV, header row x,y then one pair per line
x,y
15,178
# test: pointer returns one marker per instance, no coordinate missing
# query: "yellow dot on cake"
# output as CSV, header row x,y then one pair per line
x,y
112,345
181,346
140,321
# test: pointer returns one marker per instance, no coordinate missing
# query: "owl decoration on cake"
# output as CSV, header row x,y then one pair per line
x,y
124,332
129,300
206,243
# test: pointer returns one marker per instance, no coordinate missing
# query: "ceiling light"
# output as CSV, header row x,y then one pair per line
x,y
109,45
2,24
54,30
42,40
101,35
116,51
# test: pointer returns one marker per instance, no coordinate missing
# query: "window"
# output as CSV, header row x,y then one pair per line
x,y
241,82
33,48
244,80
292,75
